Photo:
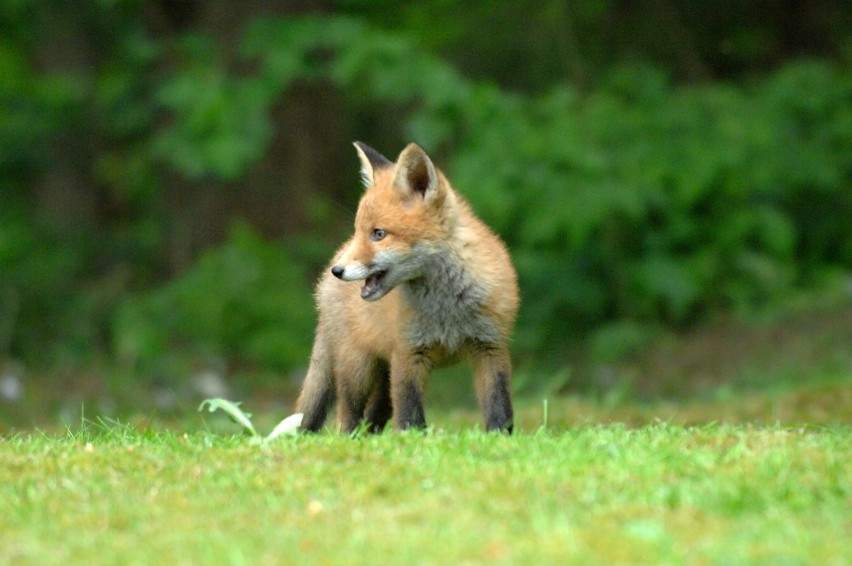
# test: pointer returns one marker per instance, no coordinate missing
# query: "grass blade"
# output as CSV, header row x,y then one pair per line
x,y
233,411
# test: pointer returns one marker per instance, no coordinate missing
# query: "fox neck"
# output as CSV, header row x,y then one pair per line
x,y
445,302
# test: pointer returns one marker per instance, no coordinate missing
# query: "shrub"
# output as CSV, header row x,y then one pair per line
x,y
245,302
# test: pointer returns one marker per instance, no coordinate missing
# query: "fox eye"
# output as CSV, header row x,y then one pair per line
x,y
378,234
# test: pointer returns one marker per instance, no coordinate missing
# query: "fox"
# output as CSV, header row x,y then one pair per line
x,y
438,287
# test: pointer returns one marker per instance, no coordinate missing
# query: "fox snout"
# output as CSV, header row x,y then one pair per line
x,y
351,272
375,286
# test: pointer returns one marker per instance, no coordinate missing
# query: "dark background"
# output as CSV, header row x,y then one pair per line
x,y
674,180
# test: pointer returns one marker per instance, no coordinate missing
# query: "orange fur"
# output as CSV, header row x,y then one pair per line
x,y
438,286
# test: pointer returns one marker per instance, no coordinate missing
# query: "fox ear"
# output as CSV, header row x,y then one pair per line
x,y
415,173
370,161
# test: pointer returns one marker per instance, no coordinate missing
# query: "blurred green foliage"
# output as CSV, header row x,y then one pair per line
x,y
629,199
244,301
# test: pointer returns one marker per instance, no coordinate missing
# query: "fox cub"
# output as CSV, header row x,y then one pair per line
x,y
438,286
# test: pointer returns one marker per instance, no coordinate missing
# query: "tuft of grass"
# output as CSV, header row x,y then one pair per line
x,y
661,493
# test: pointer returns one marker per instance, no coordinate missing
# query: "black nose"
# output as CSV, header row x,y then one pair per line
x,y
337,271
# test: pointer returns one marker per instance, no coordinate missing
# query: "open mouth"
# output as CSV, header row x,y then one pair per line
x,y
373,288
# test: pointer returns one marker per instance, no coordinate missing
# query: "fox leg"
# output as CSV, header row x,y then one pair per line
x,y
492,371
356,383
408,373
379,408
318,388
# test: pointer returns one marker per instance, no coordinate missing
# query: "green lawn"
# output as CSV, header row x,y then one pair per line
x,y
586,494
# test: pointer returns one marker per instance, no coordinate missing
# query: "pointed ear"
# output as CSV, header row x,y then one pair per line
x,y
416,175
370,161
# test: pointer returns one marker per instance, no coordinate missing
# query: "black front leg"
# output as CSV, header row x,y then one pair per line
x,y
492,373
379,408
409,371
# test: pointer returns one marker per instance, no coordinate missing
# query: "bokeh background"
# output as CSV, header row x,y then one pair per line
x,y
674,179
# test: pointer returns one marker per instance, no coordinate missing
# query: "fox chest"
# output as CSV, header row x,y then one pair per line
x,y
448,317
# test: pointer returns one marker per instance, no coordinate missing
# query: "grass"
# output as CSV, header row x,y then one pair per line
x,y
660,493
608,480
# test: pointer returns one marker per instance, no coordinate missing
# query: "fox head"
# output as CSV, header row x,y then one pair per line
x,y
407,210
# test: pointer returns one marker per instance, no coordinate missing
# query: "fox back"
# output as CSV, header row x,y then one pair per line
x,y
437,285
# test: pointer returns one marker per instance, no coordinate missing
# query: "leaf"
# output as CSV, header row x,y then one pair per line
x,y
232,410
287,427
